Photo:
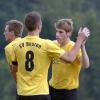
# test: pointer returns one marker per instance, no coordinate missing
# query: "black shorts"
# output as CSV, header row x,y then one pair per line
x,y
63,94
35,97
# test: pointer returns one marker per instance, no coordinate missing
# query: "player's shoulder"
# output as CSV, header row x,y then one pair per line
x,y
17,42
9,46
71,43
45,41
56,42
48,41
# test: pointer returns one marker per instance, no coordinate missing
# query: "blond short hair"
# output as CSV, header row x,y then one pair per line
x,y
65,24
16,26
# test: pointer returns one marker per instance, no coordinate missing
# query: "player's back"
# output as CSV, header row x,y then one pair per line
x,y
33,64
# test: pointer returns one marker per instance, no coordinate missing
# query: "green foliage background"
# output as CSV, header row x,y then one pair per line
x,y
83,12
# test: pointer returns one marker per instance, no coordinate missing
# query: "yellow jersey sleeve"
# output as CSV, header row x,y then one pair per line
x,y
53,50
9,53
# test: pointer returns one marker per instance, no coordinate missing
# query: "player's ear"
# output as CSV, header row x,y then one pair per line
x,y
12,32
39,26
69,34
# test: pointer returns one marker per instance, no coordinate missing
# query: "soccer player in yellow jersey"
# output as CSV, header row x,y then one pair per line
x,y
34,55
65,76
13,31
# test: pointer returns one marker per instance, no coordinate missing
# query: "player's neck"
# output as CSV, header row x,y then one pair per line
x,y
12,39
34,33
64,42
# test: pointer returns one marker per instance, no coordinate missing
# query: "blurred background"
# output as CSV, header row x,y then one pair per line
x,y
82,12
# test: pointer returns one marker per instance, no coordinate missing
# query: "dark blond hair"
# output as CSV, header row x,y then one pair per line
x,y
65,24
16,26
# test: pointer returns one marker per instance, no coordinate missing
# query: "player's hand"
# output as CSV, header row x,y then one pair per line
x,y
83,43
83,33
86,31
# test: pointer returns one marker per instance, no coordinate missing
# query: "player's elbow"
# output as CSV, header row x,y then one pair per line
x,y
86,65
71,59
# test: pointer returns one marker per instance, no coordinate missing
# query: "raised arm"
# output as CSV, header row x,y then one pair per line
x,y
13,70
71,56
84,59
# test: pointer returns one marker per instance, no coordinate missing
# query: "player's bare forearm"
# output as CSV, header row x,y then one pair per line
x,y
85,58
13,70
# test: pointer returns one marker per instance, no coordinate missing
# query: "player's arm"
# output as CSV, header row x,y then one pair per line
x,y
13,70
71,56
84,59
9,57
14,64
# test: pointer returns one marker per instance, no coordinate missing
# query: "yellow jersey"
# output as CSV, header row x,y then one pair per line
x,y
66,75
9,51
34,55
